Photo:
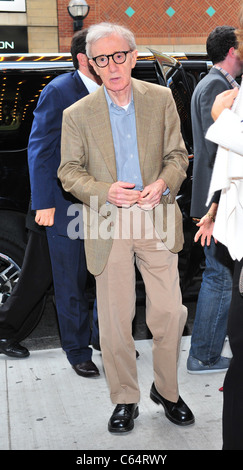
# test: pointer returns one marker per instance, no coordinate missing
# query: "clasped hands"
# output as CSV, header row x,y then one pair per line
x,y
120,194
123,194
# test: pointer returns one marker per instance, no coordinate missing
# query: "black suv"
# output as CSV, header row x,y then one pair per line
x,y
22,78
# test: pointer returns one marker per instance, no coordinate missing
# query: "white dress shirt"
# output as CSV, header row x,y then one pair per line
x,y
91,85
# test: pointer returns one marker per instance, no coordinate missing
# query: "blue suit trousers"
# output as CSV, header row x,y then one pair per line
x,y
69,279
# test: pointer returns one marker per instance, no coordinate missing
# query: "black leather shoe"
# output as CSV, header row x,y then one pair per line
x,y
12,348
122,418
86,369
178,413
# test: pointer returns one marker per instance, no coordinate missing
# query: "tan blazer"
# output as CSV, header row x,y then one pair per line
x,y
88,164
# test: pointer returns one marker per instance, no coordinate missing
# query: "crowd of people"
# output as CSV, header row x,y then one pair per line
x,y
113,143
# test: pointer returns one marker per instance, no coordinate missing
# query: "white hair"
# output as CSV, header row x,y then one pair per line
x,y
103,30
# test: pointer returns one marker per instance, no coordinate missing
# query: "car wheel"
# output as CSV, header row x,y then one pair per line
x,y
11,257
13,240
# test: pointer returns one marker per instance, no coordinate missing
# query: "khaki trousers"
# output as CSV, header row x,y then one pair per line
x,y
116,297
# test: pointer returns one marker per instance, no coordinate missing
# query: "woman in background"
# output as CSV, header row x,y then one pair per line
x,y
227,132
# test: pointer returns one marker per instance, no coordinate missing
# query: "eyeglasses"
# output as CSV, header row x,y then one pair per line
x,y
117,57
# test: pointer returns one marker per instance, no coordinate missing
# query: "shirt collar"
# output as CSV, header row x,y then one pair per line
x,y
90,84
227,75
111,103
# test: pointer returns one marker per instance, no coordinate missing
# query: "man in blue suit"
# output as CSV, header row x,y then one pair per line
x,y
51,204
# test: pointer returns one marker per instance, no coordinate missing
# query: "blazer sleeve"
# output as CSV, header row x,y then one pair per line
x,y
44,147
72,171
227,131
205,104
175,158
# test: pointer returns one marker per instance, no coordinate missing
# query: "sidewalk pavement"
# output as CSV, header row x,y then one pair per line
x,y
45,405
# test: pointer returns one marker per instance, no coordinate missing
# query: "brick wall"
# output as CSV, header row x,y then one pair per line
x,y
168,25
42,25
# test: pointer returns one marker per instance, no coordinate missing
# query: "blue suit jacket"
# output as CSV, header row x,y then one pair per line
x,y
44,146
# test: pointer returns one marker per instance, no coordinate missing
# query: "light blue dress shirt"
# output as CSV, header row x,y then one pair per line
x,y
123,125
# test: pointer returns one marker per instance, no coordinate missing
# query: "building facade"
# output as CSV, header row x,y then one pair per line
x,y
43,26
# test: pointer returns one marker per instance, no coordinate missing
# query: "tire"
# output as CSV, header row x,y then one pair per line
x,y
13,240
12,247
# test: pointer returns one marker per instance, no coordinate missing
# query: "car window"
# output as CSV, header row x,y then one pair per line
x,y
18,97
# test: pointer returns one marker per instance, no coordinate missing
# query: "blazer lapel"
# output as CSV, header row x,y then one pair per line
x,y
143,119
80,87
102,134
98,118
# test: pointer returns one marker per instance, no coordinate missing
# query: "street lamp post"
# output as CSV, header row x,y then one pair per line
x,y
78,10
